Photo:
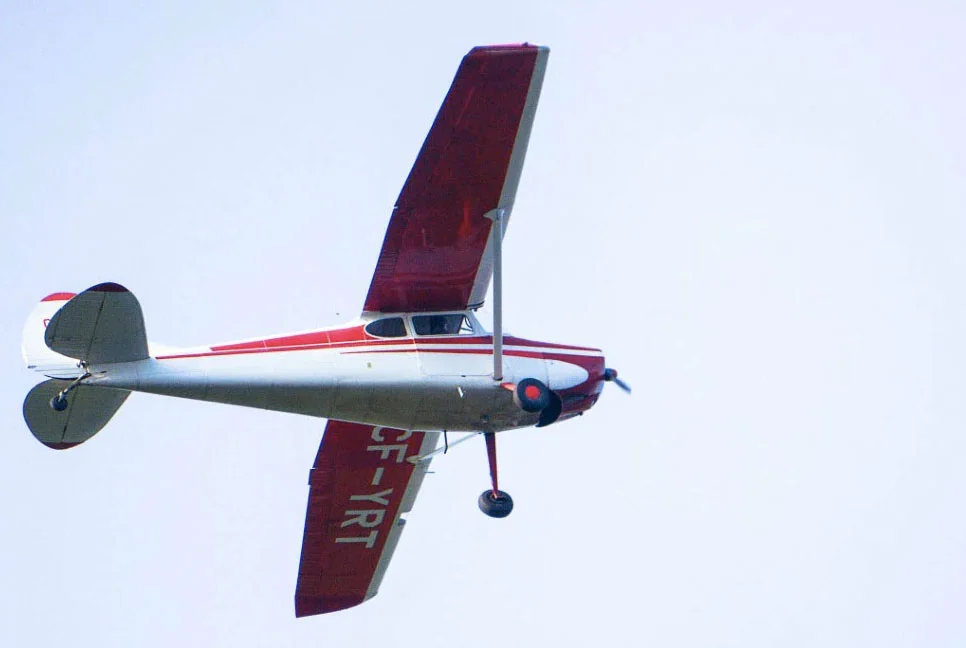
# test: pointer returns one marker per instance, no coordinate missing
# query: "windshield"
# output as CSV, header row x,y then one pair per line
x,y
449,324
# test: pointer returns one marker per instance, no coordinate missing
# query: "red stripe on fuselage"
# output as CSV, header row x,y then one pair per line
x,y
372,346
312,338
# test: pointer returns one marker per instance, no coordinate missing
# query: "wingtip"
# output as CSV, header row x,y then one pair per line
x,y
312,605
108,287
60,446
506,48
59,296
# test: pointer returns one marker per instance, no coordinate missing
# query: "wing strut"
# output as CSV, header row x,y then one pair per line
x,y
496,241
447,445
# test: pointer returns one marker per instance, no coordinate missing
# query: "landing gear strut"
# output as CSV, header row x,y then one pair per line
x,y
493,501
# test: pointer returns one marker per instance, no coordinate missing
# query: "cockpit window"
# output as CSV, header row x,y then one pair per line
x,y
451,324
387,327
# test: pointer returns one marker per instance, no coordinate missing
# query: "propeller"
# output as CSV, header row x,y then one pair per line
x,y
610,375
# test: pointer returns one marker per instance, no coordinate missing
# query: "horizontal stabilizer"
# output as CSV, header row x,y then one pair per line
x,y
88,410
103,324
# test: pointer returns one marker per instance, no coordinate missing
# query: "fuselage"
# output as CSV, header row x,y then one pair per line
x,y
410,371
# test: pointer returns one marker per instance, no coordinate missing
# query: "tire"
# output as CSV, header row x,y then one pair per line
x,y
499,506
58,403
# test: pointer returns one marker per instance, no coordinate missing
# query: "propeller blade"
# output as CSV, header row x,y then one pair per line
x,y
623,385
610,375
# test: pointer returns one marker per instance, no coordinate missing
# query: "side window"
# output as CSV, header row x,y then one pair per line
x,y
452,324
388,327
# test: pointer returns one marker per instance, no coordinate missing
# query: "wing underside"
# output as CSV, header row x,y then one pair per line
x,y
360,486
435,255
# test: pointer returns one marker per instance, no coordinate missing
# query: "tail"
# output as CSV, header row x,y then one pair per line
x,y
62,337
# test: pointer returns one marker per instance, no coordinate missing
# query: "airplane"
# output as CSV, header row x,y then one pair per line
x,y
415,365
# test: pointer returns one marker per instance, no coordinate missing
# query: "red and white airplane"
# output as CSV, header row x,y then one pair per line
x,y
415,364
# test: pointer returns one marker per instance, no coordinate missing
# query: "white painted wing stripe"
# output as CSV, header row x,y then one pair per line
x,y
508,195
406,505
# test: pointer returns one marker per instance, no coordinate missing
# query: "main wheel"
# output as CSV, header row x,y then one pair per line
x,y
531,395
58,403
496,506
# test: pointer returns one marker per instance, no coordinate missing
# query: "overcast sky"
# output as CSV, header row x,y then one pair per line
x,y
757,212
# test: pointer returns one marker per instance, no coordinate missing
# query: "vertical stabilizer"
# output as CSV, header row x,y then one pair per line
x,y
36,354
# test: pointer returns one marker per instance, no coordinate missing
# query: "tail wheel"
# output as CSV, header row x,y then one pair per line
x,y
531,395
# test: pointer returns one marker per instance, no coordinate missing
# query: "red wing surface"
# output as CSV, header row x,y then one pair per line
x,y
435,255
360,486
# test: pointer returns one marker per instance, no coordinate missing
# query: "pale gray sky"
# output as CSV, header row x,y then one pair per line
x,y
757,211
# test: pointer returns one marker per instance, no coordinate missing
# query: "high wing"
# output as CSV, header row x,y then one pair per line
x,y
435,255
360,486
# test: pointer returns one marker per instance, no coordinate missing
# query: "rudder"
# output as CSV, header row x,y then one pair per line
x,y
36,354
